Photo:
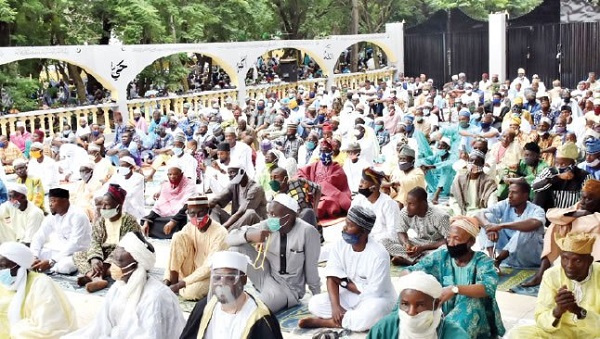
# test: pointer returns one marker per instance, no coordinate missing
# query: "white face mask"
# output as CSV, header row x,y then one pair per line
x,y
124,171
238,178
422,325
594,163
108,214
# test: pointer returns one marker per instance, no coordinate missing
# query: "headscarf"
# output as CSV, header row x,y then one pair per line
x,y
22,256
362,217
592,146
373,176
422,282
469,224
117,193
592,188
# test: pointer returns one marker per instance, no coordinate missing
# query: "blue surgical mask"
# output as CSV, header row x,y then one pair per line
x,y
351,239
177,151
310,145
463,124
378,128
496,101
2,144
6,278
326,158
95,133
485,125
410,127
441,152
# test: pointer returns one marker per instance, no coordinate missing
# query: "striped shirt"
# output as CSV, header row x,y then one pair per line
x,y
560,193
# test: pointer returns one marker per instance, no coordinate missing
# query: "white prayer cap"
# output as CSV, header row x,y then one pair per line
x,y
355,97
20,124
93,147
19,161
137,111
287,201
455,77
596,102
175,164
19,188
229,259
139,251
446,141
37,145
461,75
422,282
521,70
236,163
88,164
22,256
128,160
228,100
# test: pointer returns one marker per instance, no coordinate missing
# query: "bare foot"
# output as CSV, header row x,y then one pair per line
x,y
401,261
434,201
317,323
167,282
96,285
497,267
536,280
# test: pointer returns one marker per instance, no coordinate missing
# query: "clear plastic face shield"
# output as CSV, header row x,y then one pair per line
x,y
226,284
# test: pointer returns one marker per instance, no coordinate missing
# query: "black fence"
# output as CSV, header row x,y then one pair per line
x,y
553,51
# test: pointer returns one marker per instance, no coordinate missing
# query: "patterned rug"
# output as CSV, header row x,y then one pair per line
x,y
288,319
511,280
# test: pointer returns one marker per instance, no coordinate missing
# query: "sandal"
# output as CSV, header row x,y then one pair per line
x,y
327,334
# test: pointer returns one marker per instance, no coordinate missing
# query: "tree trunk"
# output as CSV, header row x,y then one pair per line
x,y
376,56
5,34
75,73
354,30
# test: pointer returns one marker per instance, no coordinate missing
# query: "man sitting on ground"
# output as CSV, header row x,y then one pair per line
x,y
568,305
25,218
291,248
359,287
583,217
213,317
516,226
247,198
171,198
65,231
307,193
32,305
188,269
406,176
420,295
473,190
137,305
35,188
429,222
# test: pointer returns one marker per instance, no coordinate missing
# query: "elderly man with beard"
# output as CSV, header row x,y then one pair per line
x,y
419,313
405,176
188,268
473,190
228,311
568,304
529,168
583,217
31,304
137,305
291,249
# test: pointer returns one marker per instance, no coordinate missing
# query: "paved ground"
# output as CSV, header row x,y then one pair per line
x,y
515,308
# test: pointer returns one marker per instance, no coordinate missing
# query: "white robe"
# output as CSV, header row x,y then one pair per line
x,y
17,225
243,153
188,165
354,172
134,200
157,315
387,224
370,272
47,171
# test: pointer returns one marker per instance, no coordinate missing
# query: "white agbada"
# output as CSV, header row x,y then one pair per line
x,y
388,216
354,172
188,165
134,200
71,158
243,153
60,236
17,225
47,171
227,325
370,271
157,315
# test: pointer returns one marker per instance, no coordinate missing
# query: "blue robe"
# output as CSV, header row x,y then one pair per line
x,y
479,317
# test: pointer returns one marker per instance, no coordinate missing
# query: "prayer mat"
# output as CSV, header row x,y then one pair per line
x,y
512,278
288,319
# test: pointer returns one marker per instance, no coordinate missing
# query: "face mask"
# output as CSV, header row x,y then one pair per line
x,y
469,91
202,223
425,93
92,158
542,133
476,116
310,145
136,118
563,169
109,214
463,124
95,133
274,224
594,163
458,250
441,152
238,177
66,133
560,130
15,203
117,273
496,102
177,151
351,239
378,128
419,119
365,191
36,154
410,127
472,168
85,176
124,171
423,325
405,165
2,144
485,125
260,107
6,278
326,158
275,185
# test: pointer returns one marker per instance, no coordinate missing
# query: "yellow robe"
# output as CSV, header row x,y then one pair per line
x,y
46,311
569,326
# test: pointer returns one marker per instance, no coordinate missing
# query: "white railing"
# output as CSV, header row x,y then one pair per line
x,y
46,119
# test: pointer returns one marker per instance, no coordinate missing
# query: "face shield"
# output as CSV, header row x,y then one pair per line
x,y
226,285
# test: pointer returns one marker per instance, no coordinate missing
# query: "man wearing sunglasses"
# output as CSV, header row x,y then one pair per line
x,y
228,311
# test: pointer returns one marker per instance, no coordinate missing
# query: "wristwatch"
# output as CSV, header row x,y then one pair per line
x,y
344,282
582,313
52,262
454,289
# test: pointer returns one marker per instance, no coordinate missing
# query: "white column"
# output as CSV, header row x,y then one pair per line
x,y
497,38
395,31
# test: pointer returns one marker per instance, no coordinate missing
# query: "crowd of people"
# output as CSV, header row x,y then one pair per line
x,y
453,183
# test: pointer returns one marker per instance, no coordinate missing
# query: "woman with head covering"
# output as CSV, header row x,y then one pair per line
x,y
106,232
469,281
137,305
419,314
31,304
